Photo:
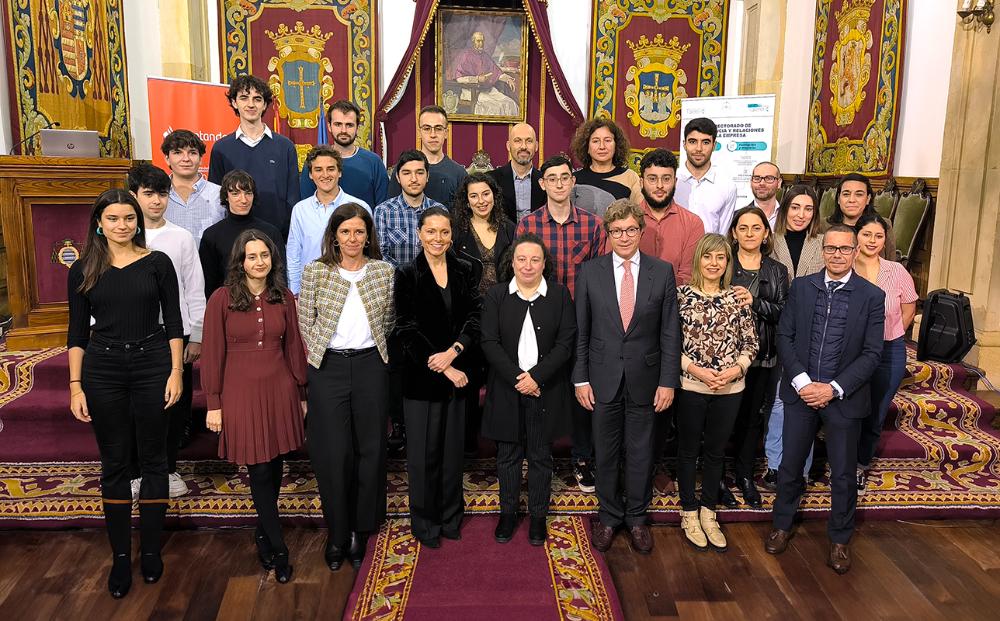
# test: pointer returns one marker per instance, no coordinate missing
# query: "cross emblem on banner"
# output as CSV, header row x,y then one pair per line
x,y
301,84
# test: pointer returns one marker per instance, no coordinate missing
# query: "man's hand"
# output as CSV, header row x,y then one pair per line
x,y
508,80
663,398
585,396
192,352
526,385
816,394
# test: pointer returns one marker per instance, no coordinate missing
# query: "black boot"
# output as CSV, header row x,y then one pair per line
x,y
282,568
505,527
118,521
120,578
726,497
537,531
151,516
264,551
749,491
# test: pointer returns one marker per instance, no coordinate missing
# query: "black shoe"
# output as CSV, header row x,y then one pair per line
x,y
584,475
120,578
505,527
264,552
333,555
770,480
151,564
454,535
749,491
537,533
726,497
433,542
359,543
397,437
282,568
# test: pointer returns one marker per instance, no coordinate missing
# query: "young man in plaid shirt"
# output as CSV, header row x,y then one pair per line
x,y
572,236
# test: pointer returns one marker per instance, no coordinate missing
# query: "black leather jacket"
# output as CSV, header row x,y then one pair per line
x,y
772,291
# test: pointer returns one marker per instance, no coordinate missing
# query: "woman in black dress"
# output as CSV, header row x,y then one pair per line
x,y
124,370
437,318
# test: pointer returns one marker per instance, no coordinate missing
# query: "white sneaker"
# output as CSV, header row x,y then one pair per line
x,y
176,485
136,483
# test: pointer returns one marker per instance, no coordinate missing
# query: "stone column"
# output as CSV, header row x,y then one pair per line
x,y
966,223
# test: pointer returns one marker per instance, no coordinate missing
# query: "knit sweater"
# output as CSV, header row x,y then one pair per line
x,y
217,244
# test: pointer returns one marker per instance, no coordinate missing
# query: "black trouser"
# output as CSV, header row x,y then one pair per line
x,y
394,407
582,430
702,421
179,415
537,447
623,439
124,384
801,423
761,384
473,409
434,439
265,486
346,434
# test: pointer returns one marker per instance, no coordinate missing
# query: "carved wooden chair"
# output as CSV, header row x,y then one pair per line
x,y
909,219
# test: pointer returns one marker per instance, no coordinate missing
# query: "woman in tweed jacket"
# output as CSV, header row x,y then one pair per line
x,y
345,312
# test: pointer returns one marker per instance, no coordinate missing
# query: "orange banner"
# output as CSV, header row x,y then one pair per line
x,y
182,104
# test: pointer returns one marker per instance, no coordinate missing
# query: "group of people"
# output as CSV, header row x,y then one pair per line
x,y
597,303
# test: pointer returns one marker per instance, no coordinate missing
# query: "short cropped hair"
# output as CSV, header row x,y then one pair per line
x,y
182,139
323,150
702,125
559,159
435,109
145,175
841,228
343,106
411,155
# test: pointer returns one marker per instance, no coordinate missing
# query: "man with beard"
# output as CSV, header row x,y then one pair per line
x,y
364,174
764,183
518,179
702,188
671,231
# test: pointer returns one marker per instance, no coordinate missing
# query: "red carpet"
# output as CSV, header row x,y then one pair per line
x,y
477,578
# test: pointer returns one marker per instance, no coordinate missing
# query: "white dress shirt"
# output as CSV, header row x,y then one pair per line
x,y
802,380
353,330
527,343
306,230
252,142
712,198
619,269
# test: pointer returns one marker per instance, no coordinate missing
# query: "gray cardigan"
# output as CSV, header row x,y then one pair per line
x,y
810,261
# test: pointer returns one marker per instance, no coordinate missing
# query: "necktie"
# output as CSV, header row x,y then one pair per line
x,y
627,301
832,286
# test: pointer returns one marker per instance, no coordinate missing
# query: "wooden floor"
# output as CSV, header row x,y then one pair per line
x,y
926,570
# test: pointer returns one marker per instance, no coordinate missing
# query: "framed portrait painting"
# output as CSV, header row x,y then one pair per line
x,y
482,63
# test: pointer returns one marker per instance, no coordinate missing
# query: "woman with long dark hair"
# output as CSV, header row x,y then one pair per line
x,y
854,199
253,372
124,370
528,333
437,318
345,313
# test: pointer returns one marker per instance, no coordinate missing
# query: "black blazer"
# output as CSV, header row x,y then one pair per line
x,y
504,177
862,347
465,242
425,327
555,330
648,354
772,291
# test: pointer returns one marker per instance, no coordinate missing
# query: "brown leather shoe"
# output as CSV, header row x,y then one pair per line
x,y
777,541
840,558
664,484
642,539
601,536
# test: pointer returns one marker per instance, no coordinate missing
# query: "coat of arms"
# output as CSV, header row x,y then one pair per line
x,y
72,25
852,60
654,96
302,83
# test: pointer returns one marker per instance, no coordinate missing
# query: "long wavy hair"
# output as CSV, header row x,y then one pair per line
x,y
507,261
96,257
240,298
331,249
462,210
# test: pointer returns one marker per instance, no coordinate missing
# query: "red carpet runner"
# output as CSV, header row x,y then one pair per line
x,y
477,578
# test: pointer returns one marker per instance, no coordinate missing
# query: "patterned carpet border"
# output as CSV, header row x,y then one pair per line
x,y
390,575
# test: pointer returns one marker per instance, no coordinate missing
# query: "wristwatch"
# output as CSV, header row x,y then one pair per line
x,y
457,348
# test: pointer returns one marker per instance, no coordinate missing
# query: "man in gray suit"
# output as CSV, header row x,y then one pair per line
x,y
627,368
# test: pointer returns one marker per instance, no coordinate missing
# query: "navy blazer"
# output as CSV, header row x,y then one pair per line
x,y
648,353
862,349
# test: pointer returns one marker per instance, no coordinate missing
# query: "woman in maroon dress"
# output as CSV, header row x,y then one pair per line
x,y
253,371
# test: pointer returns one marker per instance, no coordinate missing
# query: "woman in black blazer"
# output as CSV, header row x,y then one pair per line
x,y
482,232
528,331
437,318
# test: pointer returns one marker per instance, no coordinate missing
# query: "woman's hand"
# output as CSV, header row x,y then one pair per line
x,y
78,406
442,360
458,378
526,385
727,376
175,386
213,420
702,374
743,295
305,408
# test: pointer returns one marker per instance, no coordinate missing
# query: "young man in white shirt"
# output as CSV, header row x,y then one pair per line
x,y
701,187
194,202
151,187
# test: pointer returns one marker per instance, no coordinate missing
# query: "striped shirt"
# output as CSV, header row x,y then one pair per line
x,y
201,210
898,286
396,227
580,238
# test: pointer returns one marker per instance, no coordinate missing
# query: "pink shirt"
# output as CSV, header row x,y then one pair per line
x,y
898,286
671,239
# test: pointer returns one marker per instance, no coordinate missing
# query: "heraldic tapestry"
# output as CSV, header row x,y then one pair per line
x,y
66,65
857,70
650,54
311,53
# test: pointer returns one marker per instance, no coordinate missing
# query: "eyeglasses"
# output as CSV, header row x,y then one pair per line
x,y
662,179
437,129
561,179
767,178
631,231
844,250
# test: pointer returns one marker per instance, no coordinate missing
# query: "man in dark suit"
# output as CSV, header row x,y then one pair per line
x,y
518,179
829,343
627,368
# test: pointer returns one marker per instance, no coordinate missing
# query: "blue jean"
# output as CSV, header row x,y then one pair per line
x,y
773,443
884,384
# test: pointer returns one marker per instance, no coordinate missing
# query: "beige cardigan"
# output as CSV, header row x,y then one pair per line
x,y
810,261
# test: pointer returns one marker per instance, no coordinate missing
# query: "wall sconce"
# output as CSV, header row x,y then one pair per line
x,y
982,12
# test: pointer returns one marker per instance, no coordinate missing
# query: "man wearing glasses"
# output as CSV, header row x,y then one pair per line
x,y
765,183
573,236
444,174
829,342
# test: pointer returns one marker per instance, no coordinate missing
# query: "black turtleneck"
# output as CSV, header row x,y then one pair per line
x,y
217,244
795,240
